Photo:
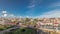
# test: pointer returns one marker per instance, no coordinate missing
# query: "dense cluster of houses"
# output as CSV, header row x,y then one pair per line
x,y
41,21
49,21
7,21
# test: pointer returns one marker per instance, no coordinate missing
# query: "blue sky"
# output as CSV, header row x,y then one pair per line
x,y
30,7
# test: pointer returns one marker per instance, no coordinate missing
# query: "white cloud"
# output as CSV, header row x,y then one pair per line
x,y
54,4
51,14
5,15
33,3
31,6
11,15
4,11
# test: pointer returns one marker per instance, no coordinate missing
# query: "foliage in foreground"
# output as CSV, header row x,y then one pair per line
x,y
23,31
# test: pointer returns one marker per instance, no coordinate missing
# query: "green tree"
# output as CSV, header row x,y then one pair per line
x,y
26,20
